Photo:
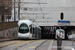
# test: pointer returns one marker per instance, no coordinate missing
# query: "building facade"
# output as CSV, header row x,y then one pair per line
x,y
47,12
5,10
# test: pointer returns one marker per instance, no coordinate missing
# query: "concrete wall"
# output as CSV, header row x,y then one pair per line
x,y
8,29
9,33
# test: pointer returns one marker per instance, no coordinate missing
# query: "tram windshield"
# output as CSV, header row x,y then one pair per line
x,y
23,28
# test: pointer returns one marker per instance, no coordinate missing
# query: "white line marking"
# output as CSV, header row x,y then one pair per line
x,y
50,45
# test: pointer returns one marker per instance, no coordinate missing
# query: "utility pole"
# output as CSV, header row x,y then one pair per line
x,y
19,10
14,12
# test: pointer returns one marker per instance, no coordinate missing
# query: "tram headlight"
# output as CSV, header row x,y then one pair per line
x,y
18,33
27,33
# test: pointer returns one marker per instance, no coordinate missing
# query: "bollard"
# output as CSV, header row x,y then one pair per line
x,y
59,43
73,41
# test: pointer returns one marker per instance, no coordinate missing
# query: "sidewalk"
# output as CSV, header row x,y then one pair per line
x,y
54,46
66,45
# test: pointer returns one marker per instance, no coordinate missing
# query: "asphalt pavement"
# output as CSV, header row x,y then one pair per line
x,y
46,46
21,45
36,45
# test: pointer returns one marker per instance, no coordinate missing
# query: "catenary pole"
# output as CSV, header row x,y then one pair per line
x,y
19,10
14,12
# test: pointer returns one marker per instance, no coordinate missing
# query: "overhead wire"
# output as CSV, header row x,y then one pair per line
x,y
40,8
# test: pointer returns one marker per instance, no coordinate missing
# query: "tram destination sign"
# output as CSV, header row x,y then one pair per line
x,y
63,23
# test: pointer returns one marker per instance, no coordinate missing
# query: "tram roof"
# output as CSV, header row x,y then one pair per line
x,y
35,25
28,22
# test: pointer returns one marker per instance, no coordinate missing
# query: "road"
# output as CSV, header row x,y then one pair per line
x,y
47,44
20,44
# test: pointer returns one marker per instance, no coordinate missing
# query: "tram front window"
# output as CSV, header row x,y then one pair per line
x,y
23,28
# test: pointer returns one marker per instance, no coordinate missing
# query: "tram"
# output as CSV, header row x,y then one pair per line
x,y
28,30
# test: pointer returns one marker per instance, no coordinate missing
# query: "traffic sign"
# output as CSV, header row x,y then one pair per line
x,y
60,33
63,23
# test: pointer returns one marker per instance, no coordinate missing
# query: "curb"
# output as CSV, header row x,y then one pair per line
x,y
2,40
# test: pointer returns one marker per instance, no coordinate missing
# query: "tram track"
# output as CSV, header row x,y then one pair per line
x,y
18,45
40,44
44,45
24,45
8,44
34,45
13,43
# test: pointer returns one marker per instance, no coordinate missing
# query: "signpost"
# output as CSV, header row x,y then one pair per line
x,y
63,23
59,35
60,32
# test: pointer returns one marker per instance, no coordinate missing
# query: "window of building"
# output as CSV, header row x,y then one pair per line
x,y
61,15
25,9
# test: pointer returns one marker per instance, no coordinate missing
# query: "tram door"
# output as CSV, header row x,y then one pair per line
x,y
34,32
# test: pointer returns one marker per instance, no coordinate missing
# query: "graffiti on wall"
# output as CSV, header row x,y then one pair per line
x,y
9,33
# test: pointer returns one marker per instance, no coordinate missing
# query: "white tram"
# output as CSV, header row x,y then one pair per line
x,y
28,30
